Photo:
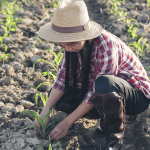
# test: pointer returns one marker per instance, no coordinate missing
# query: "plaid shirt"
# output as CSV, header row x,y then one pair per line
x,y
109,56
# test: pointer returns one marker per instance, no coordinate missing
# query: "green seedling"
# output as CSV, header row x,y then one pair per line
x,y
42,84
4,57
55,4
148,68
1,41
42,122
24,1
49,74
131,32
50,146
129,20
44,99
122,14
140,47
114,3
42,60
10,23
148,2
57,60
57,57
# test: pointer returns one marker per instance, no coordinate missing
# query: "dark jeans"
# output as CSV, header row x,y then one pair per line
x,y
135,101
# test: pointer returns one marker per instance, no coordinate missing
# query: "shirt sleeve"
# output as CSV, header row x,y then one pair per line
x,y
59,82
106,64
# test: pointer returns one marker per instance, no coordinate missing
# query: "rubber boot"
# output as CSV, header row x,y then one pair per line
x,y
112,111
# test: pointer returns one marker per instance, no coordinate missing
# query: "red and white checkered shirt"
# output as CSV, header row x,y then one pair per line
x,y
110,56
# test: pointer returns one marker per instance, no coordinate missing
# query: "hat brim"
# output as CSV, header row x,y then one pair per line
x,y
47,33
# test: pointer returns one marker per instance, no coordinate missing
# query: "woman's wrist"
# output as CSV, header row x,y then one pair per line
x,y
44,112
69,121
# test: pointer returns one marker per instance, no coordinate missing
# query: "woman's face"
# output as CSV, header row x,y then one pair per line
x,y
73,46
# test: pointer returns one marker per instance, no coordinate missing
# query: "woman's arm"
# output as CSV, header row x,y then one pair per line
x,y
62,128
54,96
80,111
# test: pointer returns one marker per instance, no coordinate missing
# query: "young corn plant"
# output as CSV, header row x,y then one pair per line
x,y
1,43
131,32
44,99
55,4
148,2
57,60
57,57
141,48
122,15
129,20
49,74
10,23
148,68
5,57
114,3
50,146
42,122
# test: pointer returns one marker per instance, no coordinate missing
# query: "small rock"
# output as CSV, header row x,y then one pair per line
x,y
26,104
27,21
17,109
33,141
16,127
9,70
47,20
7,80
45,46
19,144
7,40
1,104
17,66
141,32
35,58
28,148
2,32
28,122
43,87
2,72
31,133
45,143
142,18
146,11
133,14
1,116
7,107
3,138
148,129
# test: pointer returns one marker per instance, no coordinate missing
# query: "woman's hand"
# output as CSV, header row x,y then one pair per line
x,y
60,130
35,129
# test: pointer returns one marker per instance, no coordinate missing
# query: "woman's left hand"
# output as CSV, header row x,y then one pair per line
x,y
60,130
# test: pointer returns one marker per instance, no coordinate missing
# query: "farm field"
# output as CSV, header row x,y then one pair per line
x,y
28,67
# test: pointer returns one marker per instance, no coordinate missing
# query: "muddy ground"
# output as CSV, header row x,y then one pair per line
x,y
18,79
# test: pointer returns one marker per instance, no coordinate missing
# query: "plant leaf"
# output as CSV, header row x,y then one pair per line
x,y
42,83
33,114
44,120
50,124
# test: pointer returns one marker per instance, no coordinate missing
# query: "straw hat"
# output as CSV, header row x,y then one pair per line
x,y
70,23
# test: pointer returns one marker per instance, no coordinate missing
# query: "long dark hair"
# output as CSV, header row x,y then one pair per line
x,y
86,63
